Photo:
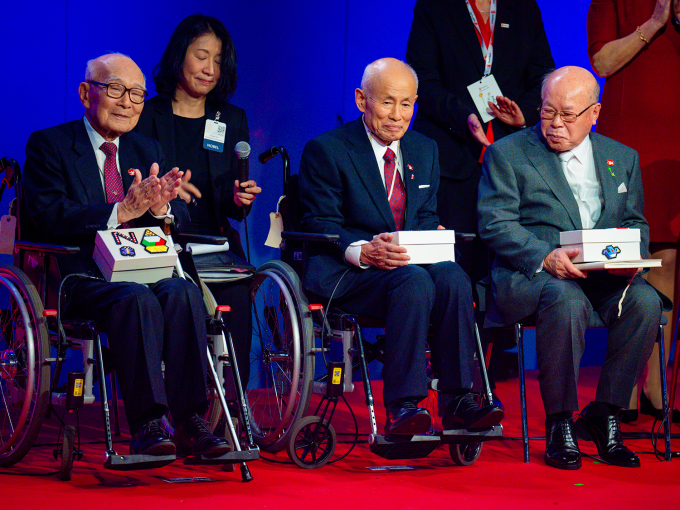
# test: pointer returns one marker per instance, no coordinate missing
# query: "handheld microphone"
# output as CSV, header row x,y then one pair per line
x,y
242,151
269,154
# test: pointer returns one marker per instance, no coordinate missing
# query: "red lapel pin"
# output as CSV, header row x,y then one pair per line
x,y
131,171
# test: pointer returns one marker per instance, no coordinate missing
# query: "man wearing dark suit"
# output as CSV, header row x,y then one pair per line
x,y
75,187
344,191
558,176
445,49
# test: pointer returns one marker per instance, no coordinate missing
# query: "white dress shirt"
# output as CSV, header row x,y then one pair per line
x,y
578,166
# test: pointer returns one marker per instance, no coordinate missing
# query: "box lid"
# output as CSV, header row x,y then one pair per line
x,y
600,235
134,248
405,237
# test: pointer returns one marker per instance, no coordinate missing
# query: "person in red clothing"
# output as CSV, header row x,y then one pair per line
x,y
635,44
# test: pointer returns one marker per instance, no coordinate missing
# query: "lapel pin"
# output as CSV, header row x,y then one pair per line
x,y
131,171
610,164
410,168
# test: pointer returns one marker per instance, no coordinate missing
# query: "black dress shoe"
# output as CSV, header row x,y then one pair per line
x,y
628,415
605,432
407,419
152,439
463,412
561,447
192,437
646,407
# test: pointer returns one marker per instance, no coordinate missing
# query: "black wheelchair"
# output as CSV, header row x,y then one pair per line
x,y
34,340
285,350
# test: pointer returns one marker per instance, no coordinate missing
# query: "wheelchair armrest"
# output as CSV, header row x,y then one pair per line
x,y
183,239
306,237
465,236
47,248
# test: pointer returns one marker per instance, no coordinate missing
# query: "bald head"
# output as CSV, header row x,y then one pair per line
x,y
111,117
387,96
570,91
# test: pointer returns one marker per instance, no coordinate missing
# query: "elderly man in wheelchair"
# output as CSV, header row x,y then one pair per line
x,y
77,182
362,182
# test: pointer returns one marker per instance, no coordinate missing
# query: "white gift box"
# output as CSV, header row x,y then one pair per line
x,y
140,255
603,245
427,246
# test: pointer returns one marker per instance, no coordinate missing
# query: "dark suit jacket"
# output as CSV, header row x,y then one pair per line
x,y
341,192
525,202
64,193
156,121
444,51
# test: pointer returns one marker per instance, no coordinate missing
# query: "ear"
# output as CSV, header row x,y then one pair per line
x,y
360,99
596,112
84,94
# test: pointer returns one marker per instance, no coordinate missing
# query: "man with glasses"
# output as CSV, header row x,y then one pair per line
x,y
77,182
554,177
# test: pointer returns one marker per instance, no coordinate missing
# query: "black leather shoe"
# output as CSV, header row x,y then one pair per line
x,y
605,432
646,407
152,439
192,437
407,419
628,415
463,412
561,447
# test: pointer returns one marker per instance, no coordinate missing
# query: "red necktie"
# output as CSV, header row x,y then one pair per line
x,y
397,197
112,180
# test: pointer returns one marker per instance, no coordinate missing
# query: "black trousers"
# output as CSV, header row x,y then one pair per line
x,y
144,326
409,299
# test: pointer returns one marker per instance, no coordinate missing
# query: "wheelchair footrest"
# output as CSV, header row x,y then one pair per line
x,y
227,458
133,462
471,436
403,447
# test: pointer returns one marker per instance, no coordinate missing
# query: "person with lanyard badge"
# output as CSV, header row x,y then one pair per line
x,y
198,129
480,64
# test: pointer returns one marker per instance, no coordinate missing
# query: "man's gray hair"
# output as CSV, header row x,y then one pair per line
x,y
90,66
372,70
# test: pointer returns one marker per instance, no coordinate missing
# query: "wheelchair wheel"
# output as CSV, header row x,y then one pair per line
x,y
312,443
281,366
67,453
465,454
24,376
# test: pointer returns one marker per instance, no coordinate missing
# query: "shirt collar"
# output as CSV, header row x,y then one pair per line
x,y
378,143
95,138
581,152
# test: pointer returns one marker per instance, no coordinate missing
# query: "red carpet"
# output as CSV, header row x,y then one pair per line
x,y
498,480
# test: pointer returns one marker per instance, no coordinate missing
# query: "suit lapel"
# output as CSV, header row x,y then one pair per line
x,y
126,162
608,182
460,18
367,169
409,184
547,164
86,165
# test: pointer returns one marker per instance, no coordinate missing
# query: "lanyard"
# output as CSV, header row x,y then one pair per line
x,y
394,178
487,51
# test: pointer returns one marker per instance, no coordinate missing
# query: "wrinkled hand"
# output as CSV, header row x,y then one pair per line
x,y
245,193
507,111
383,254
475,128
628,272
558,263
170,184
188,191
152,193
676,10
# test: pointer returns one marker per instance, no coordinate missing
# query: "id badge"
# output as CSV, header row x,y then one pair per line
x,y
483,92
213,138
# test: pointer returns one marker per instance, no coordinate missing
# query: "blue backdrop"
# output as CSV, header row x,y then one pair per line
x,y
298,64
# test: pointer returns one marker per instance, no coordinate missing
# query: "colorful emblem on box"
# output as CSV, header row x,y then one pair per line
x,y
611,252
153,243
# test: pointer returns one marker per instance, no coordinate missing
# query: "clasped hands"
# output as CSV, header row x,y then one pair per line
x,y
505,110
151,194
381,253
558,263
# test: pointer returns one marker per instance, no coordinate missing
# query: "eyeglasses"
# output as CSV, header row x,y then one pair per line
x,y
117,90
549,114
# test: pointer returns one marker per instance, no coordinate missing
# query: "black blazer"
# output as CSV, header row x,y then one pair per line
x,y
156,121
64,193
444,51
341,192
